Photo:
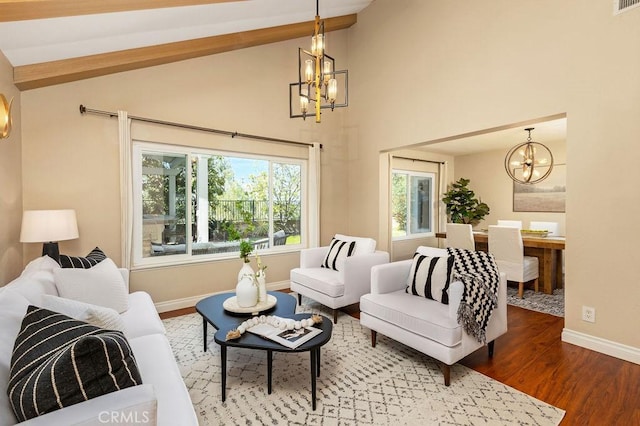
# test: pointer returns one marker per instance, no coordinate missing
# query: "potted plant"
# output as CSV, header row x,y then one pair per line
x,y
462,204
245,250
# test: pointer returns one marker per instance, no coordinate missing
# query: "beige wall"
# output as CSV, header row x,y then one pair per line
x,y
72,161
446,70
419,71
10,183
492,185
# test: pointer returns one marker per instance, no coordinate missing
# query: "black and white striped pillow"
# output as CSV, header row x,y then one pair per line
x,y
58,361
338,253
92,259
430,277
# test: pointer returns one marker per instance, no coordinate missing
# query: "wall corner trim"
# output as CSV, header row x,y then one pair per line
x,y
607,347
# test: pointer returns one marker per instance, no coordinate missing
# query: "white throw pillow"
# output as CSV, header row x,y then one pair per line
x,y
338,252
363,245
36,280
432,251
93,314
34,285
430,277
44,263
101,285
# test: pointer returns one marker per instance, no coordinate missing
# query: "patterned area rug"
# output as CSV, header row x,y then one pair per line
x,y
547,303
358,384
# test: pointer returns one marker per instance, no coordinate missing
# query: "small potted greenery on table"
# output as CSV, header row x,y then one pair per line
x,y
245,250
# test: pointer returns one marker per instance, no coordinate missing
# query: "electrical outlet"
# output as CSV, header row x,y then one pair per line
x,y
588,314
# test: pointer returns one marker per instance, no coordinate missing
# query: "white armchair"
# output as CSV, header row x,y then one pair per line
x,y
423,324
337,289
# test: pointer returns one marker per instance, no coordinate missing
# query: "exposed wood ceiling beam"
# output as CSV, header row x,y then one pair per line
x,y
63,71
21,10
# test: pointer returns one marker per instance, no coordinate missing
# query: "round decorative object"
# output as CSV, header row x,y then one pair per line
x,y
529,162
246,292
231,305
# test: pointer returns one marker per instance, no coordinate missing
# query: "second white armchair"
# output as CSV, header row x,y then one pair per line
x,y
342,286
426,325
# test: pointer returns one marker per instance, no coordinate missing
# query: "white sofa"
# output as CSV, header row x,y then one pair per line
x,y
162,399
424,324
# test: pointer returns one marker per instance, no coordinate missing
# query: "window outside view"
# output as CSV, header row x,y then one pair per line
x,y
411,203
232,198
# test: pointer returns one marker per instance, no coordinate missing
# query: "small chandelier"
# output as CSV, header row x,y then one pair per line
x,y
318,79
529,162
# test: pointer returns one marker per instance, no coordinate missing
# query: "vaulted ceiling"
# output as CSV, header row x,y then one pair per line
x,y
57,41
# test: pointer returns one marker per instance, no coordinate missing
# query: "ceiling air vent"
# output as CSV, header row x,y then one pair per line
x,y
620,6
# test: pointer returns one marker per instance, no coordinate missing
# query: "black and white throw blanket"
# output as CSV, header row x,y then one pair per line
x,y
479,273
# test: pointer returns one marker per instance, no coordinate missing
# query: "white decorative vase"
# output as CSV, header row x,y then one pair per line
x,y
261,278
246,270
246,293
246,290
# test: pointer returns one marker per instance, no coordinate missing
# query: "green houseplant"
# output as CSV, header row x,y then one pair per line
x,y
245,250
462,204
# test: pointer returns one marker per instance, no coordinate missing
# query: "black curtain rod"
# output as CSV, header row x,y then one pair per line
x,y
417,159
85,110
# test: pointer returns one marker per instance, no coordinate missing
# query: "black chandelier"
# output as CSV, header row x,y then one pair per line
x,y
319,83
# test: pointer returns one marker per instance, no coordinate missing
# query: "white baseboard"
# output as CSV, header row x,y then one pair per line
x,y
188,302
607,347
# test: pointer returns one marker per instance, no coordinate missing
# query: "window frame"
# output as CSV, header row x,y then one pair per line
x,y
140,148
432,204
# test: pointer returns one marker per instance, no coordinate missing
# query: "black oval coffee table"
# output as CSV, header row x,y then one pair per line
x,y
213,313
252,341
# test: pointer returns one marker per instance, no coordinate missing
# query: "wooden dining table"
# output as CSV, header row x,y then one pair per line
x,y
548,250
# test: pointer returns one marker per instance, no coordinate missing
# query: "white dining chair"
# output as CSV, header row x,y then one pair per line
x,y
460,235
511,223
505,243
552,227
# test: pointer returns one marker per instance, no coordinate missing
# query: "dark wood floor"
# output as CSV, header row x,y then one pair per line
x,y
593,388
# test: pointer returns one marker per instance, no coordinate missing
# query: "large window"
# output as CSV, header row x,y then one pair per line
x,y
412,204
193,203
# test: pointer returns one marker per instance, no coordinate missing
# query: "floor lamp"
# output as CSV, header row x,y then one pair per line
x,y
49,227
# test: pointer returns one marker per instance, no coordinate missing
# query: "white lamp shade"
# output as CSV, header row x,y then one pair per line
x,y
39,226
